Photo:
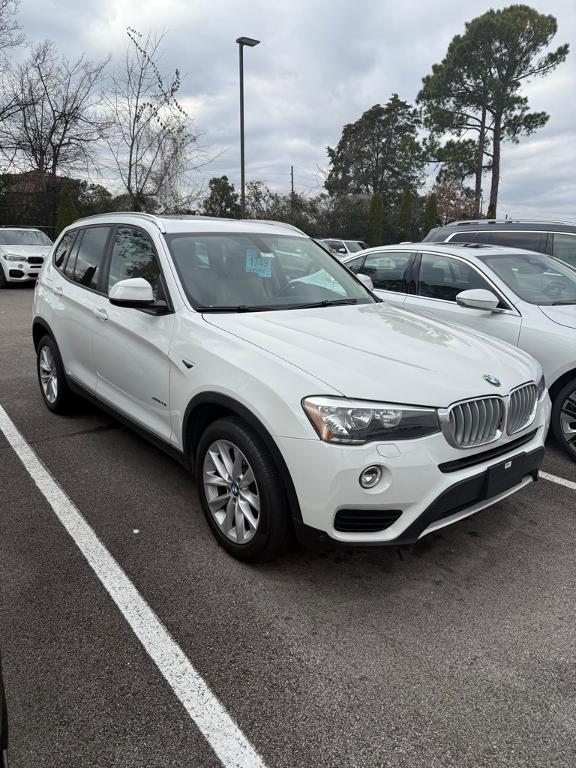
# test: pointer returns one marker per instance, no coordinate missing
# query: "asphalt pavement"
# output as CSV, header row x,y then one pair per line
x,y
456,652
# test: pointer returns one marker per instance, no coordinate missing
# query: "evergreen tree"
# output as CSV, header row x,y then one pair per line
x,y
430,213
67,212
375,219
405,215
475,90
222,199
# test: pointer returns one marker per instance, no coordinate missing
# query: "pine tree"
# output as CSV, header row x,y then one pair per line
x,y
375,219
405,215
431,213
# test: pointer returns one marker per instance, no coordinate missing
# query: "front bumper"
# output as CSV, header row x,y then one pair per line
x,y
419,494
20,271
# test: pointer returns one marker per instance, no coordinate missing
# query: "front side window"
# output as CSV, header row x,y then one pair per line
x,y
442,277
133,255
63,249
90,256
564,248
538,279
248,272
387,269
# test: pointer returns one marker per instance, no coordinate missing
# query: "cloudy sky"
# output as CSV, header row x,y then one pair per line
x,y
321,63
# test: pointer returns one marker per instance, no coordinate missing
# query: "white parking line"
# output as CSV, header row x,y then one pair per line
x,y
220,730
558,480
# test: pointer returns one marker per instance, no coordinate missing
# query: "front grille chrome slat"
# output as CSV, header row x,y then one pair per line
x,y
474,422
522,408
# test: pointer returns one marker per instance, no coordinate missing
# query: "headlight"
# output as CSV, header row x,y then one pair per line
x,y
12,257
541,386
337,420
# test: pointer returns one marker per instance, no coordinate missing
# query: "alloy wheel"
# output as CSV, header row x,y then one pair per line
x,y
568,419
48,375
231,491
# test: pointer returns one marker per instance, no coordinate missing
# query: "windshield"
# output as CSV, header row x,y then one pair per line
x,y
536,278
23,237
250,272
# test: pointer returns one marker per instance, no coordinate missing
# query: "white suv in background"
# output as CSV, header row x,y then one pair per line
x,y
22,254
306,406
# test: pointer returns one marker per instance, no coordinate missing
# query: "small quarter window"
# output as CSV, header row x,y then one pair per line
x,y
63,250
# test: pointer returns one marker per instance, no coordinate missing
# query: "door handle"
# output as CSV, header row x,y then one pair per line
x,y
101,314
58,290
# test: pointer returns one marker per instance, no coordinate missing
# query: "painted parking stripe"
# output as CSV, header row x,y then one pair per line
x,y
558,480
220,730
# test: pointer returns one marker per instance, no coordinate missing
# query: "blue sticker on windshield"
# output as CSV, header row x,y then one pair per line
x,y
259,263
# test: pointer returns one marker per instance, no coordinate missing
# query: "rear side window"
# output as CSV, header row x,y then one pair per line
x,y
564,248
63,250
532,241
133,255
90,256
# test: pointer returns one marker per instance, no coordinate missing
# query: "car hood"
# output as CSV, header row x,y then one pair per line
x,y
564,314
25,250
380,352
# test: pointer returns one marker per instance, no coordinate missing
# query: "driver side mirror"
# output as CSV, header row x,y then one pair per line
x,y
366,280
134,292
478,298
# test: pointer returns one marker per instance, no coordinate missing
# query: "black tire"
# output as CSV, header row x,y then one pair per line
x,y
64,398
3,281
565,405
273,534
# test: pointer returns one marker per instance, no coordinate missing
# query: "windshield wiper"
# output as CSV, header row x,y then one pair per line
x,y
233,308
324,303
565,301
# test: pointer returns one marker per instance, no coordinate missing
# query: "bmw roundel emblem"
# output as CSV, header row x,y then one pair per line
x,y
491,380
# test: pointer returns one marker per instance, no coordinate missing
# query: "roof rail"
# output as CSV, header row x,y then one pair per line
x,y
157,219
466,222
139,214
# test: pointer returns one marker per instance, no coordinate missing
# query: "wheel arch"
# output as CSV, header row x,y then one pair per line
x,y
560,382
206,408
40,328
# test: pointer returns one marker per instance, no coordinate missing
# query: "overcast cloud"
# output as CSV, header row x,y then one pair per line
x,y
320,65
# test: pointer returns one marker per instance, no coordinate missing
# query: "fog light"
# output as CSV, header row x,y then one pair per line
x,y
370,476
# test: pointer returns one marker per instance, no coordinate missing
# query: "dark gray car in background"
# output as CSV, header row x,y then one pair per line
x,y
556,238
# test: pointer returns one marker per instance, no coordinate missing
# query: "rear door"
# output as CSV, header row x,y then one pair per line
x,y
440,278
131,346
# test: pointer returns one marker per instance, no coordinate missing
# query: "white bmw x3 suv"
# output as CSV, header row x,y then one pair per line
x,y
300,400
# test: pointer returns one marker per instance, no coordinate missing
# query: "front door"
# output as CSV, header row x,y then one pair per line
x,y
131,346
441,278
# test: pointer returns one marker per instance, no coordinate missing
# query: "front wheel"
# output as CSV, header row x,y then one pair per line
x,y
564,418
241,492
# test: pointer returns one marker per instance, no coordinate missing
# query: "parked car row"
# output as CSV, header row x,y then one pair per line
x,y
303,403
524,298
344,247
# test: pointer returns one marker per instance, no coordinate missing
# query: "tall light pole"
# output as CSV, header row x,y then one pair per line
x,y
250,42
